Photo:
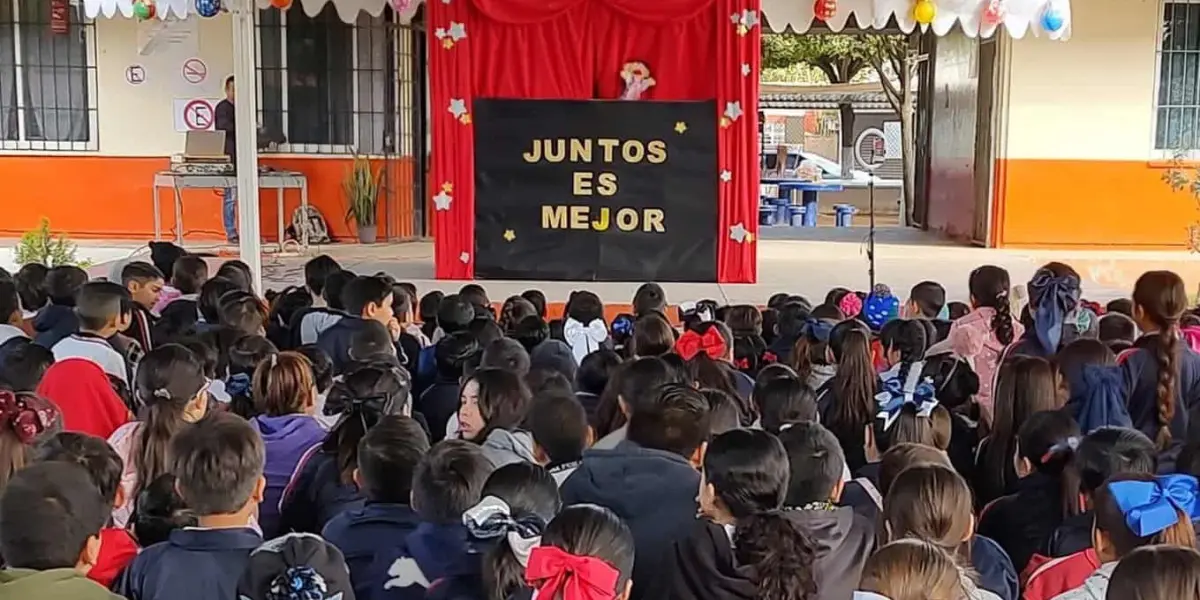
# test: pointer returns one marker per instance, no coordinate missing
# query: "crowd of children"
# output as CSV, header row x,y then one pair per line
x,y
175,436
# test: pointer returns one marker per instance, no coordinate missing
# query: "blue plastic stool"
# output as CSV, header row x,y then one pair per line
x,y
781,210
766,215
797,215
811,209
844,215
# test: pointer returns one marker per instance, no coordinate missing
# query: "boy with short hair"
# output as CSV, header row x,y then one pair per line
x,y
373,342
650,479
104,467
324,279
927,300
316,271
218,463
57,320
843,539
454,314
446,483
1118,331
560,430
10,312
102,311
387,458
50,520
367,299
145,285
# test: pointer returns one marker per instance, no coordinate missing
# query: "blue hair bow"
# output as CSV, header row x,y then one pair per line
x,y
1098,397
622,326
1056,298
896,394
818,329
1152,506
238,385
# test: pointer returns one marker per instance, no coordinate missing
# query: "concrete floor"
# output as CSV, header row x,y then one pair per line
x,y
810,266
794,260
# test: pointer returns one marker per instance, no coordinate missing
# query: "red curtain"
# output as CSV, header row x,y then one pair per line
x,y
575,49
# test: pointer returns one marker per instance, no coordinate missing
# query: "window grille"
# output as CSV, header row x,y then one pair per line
x,y
47,78
329,87
1178,100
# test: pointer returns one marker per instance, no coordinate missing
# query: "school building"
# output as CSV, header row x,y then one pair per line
x,y
1026,138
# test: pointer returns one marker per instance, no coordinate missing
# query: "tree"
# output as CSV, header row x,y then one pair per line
x,y
840,57
900,55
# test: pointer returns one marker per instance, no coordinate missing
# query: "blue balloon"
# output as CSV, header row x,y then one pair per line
x,y
1052,20
208,8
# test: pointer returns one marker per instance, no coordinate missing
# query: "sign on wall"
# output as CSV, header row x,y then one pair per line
x,y
595,190
195,114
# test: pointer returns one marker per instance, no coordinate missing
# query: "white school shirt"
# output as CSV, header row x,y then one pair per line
x,y
95,349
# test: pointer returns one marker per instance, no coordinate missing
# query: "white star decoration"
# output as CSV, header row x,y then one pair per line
x,y
442,200
458,107
744,20
726,176
733,110
745,69
464,257
739,233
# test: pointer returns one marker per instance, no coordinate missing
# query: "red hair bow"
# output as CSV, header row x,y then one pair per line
x,y
711,343
25,422
552,571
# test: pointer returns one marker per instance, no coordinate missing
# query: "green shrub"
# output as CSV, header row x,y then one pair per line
x,y
42,246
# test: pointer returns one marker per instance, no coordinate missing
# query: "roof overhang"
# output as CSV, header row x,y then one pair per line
x,y
1019,16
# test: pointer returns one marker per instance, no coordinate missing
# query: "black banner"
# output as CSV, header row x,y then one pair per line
x,y
595,190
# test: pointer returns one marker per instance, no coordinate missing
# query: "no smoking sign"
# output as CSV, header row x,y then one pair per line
x,y
198,115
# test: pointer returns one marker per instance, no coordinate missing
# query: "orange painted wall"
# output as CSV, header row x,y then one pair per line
x,y
110,197
1088,204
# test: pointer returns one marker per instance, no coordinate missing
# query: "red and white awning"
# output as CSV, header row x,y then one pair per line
x,y
1018,17
348,10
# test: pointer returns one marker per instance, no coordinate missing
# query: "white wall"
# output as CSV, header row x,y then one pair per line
x,y
138,120
1091,97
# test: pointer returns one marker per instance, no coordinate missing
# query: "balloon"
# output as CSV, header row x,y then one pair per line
x,y
208,8
143,10
281,4
994,12
401,5
824,10
924,11
1052,20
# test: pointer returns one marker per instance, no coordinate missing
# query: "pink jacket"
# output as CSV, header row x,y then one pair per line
x,y
971,338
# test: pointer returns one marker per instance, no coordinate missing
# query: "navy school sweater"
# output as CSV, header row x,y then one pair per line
x,y
193,564
362,532
1140,370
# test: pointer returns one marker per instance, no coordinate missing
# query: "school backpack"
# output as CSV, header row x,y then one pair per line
x,y
307,219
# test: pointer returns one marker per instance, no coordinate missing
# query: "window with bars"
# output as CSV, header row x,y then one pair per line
x,y
1178,99
330,87
47,77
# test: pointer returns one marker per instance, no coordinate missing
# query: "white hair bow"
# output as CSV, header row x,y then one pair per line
x,y
584,339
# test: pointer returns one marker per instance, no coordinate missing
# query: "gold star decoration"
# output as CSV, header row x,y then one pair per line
x,y
465,119
680,127
447,43
509,235
742,30
447,187
725,122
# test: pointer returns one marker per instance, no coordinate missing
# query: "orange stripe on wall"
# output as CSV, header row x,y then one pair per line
x,y
110,197
1089,204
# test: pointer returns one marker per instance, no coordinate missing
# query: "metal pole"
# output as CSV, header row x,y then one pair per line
x,y
246,121
871,231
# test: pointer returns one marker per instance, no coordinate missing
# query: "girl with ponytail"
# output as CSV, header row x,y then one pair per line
x,y
323,483
911,569
586,554
1047,493
1163,374
709,351
909,411
982,335
1134,511
847,402
744,546
518,501
933,503
173,392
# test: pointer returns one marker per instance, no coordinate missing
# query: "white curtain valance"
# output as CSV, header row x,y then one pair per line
x,y
1021,16
348,10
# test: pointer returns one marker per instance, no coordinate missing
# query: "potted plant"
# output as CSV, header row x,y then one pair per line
x,y
361,187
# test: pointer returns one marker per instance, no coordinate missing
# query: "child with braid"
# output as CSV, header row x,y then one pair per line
x,y
1162,373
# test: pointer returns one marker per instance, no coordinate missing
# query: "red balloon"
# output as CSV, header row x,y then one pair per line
x,y
281,4
824,9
